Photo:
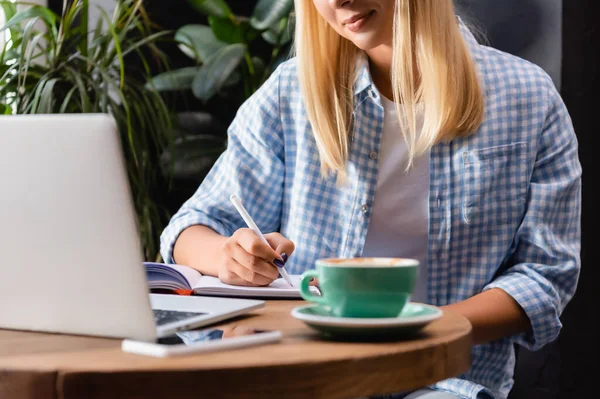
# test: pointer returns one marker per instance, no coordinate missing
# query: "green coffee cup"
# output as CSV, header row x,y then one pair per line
x,y
362,287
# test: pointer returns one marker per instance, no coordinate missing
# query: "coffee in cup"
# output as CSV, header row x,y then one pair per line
x,y
362,287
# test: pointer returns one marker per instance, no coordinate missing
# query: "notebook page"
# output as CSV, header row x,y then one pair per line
x,y
171,276
191,275
277,289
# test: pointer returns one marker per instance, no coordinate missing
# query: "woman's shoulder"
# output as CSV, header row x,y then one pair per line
x,y
288,68
275,90
506,74
288,76
281,89
520,98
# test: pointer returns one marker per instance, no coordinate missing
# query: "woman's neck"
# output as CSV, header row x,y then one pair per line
x,y
380,65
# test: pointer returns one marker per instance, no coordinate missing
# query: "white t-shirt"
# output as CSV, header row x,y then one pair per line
x,y
399,221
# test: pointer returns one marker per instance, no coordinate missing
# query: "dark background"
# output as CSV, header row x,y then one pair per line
x,y
567,368
578,342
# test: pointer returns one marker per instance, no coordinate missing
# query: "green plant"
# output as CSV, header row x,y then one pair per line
x,y
231,58
55,64
222,50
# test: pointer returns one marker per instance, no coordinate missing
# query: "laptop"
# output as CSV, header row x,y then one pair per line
x,y
71,257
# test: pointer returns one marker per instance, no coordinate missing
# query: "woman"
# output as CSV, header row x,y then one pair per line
x,y
394,133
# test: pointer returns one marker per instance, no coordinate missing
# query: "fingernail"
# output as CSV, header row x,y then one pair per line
x,y
284,256
279,263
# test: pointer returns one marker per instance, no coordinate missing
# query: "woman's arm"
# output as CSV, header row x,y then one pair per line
x,y
526,298
207,232
197,247
493,314
242,259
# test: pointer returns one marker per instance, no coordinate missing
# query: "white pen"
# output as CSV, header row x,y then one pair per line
x,y
246,216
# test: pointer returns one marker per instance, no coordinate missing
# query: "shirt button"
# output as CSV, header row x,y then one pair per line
x,y
373,155
364,208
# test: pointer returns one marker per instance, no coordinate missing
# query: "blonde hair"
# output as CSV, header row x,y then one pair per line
x,y
445,79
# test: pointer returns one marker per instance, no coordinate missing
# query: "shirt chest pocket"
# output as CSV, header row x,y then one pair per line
x,y
495,185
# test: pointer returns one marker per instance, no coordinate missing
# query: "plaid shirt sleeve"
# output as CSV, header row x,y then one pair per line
x,y
253,158
544,268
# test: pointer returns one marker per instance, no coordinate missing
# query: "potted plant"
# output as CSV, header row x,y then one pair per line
x,y
56,64
230,59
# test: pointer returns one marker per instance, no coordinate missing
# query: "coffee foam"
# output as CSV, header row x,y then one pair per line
x,y
368,262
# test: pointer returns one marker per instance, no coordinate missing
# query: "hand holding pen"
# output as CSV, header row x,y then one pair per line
x,y
250,256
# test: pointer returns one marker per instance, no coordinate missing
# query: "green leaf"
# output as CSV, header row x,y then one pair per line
x,y
289,30
282,32
45,14
143,42
226,30
37,93
215,71
270,37
10,9
215,8
117,43
199,40
232,80
248,32
84,99
84,21
180,79
194,156
26,57
46,104
5,109
64,108
268,12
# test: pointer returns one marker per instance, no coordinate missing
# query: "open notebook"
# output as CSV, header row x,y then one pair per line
x,y
177,277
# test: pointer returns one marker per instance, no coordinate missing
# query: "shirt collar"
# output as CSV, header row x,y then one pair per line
x,y
363,81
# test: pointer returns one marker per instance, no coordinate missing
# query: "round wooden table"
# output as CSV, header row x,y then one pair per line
x,y
303,364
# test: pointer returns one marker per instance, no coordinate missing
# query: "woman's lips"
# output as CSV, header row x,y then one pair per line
x,y
356,22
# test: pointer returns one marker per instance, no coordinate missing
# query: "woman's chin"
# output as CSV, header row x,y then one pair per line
x,y
364,41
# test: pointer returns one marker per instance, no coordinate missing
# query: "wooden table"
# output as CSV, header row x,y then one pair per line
x,y
303,365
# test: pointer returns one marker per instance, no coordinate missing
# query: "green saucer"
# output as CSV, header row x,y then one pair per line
x,y
413,318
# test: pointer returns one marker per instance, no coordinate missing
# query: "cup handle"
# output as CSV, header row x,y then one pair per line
x,y
305,288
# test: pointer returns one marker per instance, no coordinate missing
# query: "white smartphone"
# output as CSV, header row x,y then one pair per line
x,y
197,341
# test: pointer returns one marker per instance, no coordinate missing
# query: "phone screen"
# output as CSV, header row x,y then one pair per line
x,y
214,334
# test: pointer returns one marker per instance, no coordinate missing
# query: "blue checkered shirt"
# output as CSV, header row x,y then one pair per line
x,y
504,203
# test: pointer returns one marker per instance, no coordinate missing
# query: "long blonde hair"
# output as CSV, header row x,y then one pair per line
x,y
445,79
